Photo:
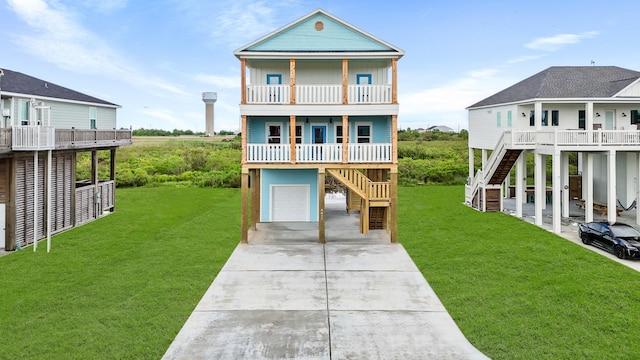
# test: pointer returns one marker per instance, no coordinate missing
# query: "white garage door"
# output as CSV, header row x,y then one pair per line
x,y
290,203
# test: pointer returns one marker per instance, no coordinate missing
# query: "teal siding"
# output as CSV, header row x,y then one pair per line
x,y
288,177
333,37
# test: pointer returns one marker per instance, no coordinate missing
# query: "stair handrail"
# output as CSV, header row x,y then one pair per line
x,y
506,139
476,182
363,186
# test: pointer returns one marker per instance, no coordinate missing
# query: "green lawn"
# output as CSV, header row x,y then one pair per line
x,y
515,290
123,286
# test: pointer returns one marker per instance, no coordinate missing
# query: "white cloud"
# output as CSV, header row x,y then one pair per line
x,y
59,38
556,42
525,58
104,6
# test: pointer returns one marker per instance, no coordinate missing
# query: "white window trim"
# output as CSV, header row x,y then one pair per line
x,y
266,132
96,118
364,123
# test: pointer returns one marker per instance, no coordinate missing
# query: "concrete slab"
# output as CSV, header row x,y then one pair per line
x,y
380,290
253,335
421,335
266,290
370,257
276,257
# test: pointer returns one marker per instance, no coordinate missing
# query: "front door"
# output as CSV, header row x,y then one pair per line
x,y
274,92
318,136
363,92
609,120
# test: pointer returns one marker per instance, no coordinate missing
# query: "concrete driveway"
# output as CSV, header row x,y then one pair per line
x,y
285,296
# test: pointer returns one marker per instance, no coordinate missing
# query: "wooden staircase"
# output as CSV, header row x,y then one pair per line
x,y
373,194
505,165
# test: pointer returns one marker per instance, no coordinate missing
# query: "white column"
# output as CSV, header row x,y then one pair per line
x,y
544,181
587,183
35,200
539,187
556,164
564,183
48,200
484,159
588,121
521,165
638,190
472,173
523,194
611,187
538,115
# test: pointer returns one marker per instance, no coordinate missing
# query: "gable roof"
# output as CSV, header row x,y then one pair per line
x,y
559,82
319,33
19,83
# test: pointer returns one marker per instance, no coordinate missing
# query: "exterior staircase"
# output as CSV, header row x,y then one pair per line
x,y
373,195
496,170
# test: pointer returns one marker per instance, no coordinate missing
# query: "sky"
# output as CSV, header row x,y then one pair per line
x,y
154,58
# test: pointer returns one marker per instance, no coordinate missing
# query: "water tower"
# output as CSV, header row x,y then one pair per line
x,y
209,99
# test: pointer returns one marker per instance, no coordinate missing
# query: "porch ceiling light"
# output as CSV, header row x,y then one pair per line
x,y
524,115
624,115
597,114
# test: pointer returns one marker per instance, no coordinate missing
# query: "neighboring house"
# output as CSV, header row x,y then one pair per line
x,y
593,111
440,128
45,126
319,97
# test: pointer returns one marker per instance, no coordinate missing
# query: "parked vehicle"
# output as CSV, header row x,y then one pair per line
x,y
618,238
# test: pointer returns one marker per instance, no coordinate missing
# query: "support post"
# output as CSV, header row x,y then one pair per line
x,y
292,138
521,177
345,82
393,207
244,139
112,174
587,182
611,187
556,163
471,163
345,139
565,183
292,81
35,200
255,198
539,187
243,82
47,200
321,215
244,221
394,81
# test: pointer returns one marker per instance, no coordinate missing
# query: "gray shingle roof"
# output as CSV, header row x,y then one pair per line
x,y
566,82
19,83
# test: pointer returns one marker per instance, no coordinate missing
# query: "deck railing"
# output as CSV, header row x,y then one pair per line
x,y
319,153
91,137
318,94
32,137
576,138
5,139
369,94
268,94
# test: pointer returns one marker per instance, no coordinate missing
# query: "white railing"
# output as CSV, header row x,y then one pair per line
x,y
319,153
268,94
369,94
33,137
369,153
471,189
318,94
577,138
322,153
265,153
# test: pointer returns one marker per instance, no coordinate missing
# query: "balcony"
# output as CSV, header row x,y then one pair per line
x,y
319,153
318,94
572,138
37,138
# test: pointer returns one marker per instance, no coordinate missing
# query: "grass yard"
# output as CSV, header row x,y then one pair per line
x,y
120,287
123,286
515,290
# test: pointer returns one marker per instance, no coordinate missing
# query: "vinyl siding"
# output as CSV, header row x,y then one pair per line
x,y
67,115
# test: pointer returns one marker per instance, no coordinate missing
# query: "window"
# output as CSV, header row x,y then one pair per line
x,y
635,116
274,136
339,134
581,119
24,112
363,134
498,120
93,115
509,122
555,117
298,134
532,118
545,118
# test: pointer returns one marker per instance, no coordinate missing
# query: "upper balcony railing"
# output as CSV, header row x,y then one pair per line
x,y
319,94
319,153
577,138
32,138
